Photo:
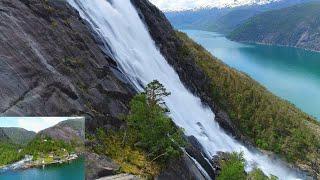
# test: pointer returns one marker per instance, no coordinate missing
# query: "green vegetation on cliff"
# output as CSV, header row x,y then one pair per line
x,y
150,139
233,168
268,121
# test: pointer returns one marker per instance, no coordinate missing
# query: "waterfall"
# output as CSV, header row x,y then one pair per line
x,y
118,24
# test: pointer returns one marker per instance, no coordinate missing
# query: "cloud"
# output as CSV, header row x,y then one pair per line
x,y
37,124
176,5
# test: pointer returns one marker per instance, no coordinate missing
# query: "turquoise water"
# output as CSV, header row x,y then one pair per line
x,y
74,170
291,73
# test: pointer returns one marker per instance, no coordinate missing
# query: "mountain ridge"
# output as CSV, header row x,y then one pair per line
x,y
295,26
69,130
17,135
223,20
210,4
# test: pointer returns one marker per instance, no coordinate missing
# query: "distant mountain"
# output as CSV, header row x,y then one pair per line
x,y
296,26
18,136
197,5
3,136
223,20
68,131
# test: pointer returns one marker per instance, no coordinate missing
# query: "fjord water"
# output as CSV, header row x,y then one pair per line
x,y
74,170
117,23
290,73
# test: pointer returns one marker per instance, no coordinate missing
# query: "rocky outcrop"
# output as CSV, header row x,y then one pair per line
x,y
182,169
120,177
99,166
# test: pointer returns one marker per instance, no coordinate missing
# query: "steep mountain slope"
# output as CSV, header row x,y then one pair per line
x,y
69,131
238,101
52,64
19,136
223,20
296,26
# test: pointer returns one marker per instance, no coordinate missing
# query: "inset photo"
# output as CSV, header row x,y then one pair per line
x,y
40,148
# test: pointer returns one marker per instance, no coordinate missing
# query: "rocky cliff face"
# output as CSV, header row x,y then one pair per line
x,y
51,65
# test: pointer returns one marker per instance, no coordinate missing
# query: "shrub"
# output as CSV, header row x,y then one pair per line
x,y
233,168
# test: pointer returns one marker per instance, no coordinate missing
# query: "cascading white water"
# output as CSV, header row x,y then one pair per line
x,y
118,23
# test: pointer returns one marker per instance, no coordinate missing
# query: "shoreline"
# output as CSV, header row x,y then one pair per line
x,y
34,164
271,44
253,42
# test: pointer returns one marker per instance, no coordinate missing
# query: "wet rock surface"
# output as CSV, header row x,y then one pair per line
x,y
51,64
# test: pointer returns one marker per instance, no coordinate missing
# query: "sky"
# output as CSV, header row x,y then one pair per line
x,y
35,124
177,5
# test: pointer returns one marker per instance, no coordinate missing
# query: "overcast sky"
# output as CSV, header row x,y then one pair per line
x,y
171,5
35,124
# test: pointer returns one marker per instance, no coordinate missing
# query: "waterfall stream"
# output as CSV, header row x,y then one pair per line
x,y
118,24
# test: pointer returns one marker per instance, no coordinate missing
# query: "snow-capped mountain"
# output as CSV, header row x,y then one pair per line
x,y
183,5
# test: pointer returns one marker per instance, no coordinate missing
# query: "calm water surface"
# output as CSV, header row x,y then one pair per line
x,y
293,74
69,171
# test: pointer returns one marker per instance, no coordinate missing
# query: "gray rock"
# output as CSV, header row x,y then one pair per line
x,y
51,65
120,177
99,166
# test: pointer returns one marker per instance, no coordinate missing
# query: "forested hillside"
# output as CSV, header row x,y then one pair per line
x,y
296,26
268,121
18,135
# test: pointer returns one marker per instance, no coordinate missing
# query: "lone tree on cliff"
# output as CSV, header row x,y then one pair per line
x,y
151,127
155,93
